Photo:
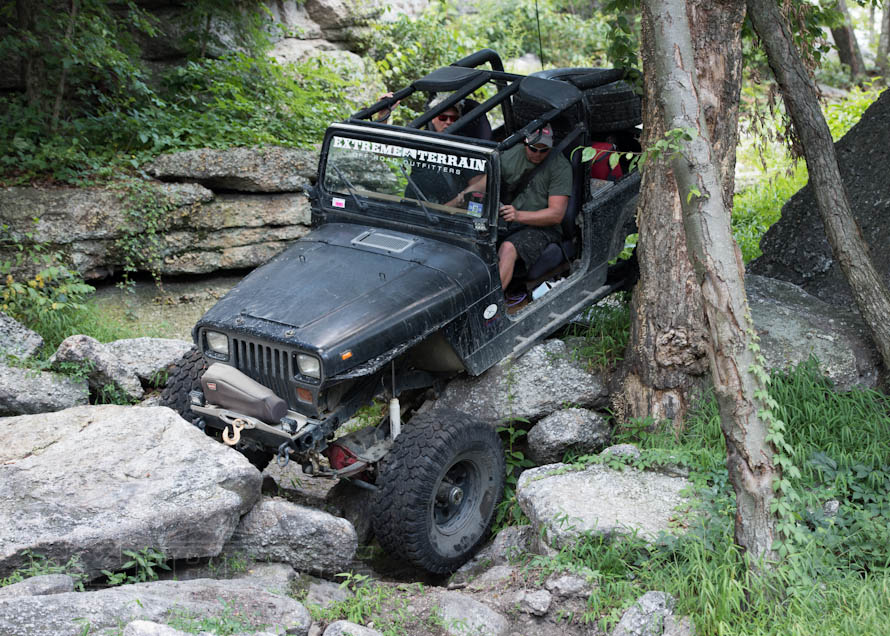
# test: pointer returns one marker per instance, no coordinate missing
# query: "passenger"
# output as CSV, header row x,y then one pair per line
x,y
534,213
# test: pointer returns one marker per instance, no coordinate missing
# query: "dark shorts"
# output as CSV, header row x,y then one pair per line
x,y
530,242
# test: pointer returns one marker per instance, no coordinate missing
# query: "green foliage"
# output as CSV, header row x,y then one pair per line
x,y
508,512
141,567
836,576
843,115
39,565
38,289
93,108
605,332
231,620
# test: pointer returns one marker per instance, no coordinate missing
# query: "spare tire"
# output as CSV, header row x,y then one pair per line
x,y
613,106
582,78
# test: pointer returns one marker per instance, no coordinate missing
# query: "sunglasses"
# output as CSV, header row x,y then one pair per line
x,y
447,118
537,148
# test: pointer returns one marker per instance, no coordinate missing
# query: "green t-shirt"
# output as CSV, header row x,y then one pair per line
x,y
554,179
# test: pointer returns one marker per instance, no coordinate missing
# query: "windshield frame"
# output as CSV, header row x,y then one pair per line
x,y
388,209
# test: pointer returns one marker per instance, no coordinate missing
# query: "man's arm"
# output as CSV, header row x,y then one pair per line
x,y
551,215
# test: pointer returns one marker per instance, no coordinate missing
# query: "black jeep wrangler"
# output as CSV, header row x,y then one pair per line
x,y
394,292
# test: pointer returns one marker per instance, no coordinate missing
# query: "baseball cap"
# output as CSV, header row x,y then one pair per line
x,y
541,136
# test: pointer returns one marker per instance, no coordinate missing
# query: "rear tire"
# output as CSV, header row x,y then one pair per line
x,y
438,489
613,106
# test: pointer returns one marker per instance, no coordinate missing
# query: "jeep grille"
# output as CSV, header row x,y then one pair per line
x,y
269,366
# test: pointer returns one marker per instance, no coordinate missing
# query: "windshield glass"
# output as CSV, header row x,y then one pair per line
x,y
429,180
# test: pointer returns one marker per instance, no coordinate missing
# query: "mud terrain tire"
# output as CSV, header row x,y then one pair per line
x,y
185,377
438,489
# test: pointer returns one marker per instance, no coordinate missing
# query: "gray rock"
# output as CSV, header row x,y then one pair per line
x,y
571,429
148,358
509,543
793,325
277,578
307,539
16,339
796,249
345,628
497,577
324,593
266,169
96,480
39,586
623,450
534,602
103,369
647,616
353,504
66,614
149,628
463,615
540,382
682,626
567,585
24,391
563,502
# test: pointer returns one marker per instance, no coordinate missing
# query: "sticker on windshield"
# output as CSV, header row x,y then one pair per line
x,y
474,208
337,202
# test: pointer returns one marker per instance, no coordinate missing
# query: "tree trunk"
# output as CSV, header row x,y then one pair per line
x,y
719,270
847,45
29,64
884,43
60,91
666,359
847,244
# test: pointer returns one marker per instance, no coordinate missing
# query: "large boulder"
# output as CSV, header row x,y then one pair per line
x,y
796,249
94,481
247,608
25,391
266,169
309,540
148,358
574,429
16,339
562,502
103,370
543,380
794,325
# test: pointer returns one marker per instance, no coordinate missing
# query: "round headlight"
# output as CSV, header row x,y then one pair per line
x,y
309,365
217,342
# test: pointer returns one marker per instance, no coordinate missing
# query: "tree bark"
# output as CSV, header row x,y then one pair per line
x,y
60,91
719,271
28,65
666,361
884,43
847,44
847,243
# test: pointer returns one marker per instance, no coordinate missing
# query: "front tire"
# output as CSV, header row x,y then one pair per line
x,y
438,489
186,377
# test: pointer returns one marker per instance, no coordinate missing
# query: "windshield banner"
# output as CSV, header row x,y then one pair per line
x,y
444,159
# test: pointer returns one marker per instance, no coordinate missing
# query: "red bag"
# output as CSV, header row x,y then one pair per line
x,y
600,169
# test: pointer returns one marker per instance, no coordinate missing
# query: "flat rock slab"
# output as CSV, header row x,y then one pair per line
x,y
104,371
148,358
93,481
462,615
538,383
160,602
24,391
564,502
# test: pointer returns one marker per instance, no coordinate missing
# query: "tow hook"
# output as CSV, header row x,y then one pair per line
x,y
283,454
233,438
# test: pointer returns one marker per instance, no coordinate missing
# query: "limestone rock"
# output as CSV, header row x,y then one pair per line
x,y
647,616
534,602
102,368
571,429
324,593
793,325
266,169
538,383
148,358
39,586
567,586
93,481
345,628
149,628
462,615
563,502
307,539
16,339
66,614
23,391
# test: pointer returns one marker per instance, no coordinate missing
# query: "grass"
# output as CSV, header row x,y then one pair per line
x,y
836,579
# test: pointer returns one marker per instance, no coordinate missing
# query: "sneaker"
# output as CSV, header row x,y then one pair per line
x,y
515,299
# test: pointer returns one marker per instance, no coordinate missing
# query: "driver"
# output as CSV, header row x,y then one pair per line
x,y
534,213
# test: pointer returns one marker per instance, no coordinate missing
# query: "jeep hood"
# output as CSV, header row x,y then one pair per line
x,y
352,288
